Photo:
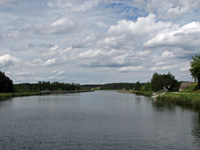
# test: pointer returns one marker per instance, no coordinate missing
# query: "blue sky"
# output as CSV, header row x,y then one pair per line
x,y
97,41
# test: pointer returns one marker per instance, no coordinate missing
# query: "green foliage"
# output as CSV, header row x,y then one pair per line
x,y
137,86
42,85
115,86
195,68
145,93
159,81
6,84
191,89
185,100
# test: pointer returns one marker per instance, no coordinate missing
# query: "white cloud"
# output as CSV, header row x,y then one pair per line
x,y
168,8
73,5
167,54
62,22
185,68
60,26
80,43
54,48
50,62
24,73
187,36
166,68
8,60
143,25
131,68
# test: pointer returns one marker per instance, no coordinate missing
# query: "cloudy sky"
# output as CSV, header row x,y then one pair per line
x,y
97,41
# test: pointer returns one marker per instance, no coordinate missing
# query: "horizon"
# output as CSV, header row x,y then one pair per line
x,y
98,41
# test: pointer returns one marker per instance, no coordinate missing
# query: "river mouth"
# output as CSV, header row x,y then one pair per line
x,y
96,120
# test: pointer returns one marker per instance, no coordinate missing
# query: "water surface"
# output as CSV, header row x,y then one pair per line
x,y
101,120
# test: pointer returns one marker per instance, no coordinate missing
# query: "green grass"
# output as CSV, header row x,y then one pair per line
x,y
15,94
189,98
191,89
145,93
188,95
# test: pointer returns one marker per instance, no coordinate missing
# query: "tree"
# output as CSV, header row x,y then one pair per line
x,y
137,86
195,68
6,84
161,81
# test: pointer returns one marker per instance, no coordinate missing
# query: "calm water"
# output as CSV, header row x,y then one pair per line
x,y
102,120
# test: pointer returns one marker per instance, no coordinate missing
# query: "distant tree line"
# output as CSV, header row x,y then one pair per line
x,y
6,84
158,82
42,85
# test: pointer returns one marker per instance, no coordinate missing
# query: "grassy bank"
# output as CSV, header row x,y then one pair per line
x,y
4,96
19,94
189,98
144,93
184,100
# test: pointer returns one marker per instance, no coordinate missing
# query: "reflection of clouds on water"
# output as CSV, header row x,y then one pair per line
x,y
196,128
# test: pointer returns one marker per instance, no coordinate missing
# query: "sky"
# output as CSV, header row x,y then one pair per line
x,y
98,41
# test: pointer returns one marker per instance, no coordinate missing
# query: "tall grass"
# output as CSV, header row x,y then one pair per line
x,y
186,101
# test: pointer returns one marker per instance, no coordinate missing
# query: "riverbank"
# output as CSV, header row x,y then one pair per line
x,y
21,94
191,101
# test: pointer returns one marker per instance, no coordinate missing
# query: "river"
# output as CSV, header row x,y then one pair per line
x,y
100,120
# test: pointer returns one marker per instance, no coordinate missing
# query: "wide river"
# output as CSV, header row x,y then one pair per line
x,y
101,120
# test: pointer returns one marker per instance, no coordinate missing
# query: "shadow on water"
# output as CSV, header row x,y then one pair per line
x,y
159,105
195,120
2,98
196,128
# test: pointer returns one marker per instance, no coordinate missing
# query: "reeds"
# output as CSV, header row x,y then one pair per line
x,y
181,100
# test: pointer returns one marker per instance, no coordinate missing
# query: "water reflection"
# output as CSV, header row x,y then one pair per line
x,y
196,128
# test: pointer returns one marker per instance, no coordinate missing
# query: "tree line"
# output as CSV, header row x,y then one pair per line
x,y
6,86
47,86
158,82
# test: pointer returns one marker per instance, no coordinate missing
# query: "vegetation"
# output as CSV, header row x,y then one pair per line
x,y
195,69
161,81
189,98
109,86
47,86
145,93
137,86
6,84
187,101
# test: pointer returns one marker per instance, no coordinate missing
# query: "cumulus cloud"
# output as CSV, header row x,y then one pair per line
x,y
60,26
102,58
168,8
24,73
186,37
7,60
143,25
80,43
73,5
131,68
50,62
